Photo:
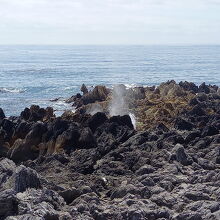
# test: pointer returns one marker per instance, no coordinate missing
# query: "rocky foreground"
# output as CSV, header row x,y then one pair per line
x,y
88,165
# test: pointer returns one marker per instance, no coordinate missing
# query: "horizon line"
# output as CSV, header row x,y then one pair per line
x,y
205,44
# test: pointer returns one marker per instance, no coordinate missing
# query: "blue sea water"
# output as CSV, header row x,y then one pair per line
x,y
36,74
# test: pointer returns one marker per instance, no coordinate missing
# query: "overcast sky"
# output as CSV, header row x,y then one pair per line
x,y
109,21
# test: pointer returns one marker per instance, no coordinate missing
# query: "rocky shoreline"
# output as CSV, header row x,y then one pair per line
x,y
161,162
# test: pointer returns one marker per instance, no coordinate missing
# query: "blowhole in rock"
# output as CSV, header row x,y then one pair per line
x,y
119,105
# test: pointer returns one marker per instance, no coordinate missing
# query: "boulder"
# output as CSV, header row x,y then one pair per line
x,y
204,88
22,129
99,93
70,194
8,203
87,139
181,156
197,111
42,203
27,149
25,114
122,120
209,131
25,178
9,128
67,141
196,196
189,86
96,120
171,89
7,168
2,114
182,124
84,89
146,169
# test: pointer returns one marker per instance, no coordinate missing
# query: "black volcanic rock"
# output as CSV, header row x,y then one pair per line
x,y
8,204
197,111
122,120
96,120
189,86
204,88
2,114
181,156
25,178
182,124
80,166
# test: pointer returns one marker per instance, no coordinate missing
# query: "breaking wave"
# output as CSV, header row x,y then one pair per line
x,y
11,90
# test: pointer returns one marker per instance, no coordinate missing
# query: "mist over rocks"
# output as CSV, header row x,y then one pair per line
x,y
97,166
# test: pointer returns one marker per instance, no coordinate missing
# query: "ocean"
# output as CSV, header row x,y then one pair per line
x,y
36,74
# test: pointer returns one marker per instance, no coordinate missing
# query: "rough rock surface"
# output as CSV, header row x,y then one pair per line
x,y
82,166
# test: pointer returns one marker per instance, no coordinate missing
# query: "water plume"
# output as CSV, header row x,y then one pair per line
x,y
94,109
119,104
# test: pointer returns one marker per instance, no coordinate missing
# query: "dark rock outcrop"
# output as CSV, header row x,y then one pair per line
x,y
82,166
2,114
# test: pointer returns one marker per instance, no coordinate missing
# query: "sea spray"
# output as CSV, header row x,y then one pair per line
x,y
133,119
95,107
119,104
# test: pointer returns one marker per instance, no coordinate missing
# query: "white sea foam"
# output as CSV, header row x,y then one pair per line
x,y
133,119
11,90
130,86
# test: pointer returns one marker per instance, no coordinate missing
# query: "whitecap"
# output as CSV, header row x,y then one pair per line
x,y
130,86
11,90
70,88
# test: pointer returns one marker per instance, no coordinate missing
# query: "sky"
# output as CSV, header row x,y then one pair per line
x,y
134,22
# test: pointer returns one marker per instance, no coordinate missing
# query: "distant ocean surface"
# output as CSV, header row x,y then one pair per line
x,y
36,74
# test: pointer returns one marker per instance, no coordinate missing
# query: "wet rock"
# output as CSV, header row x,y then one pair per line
x,y
9,128
87,139
2,114
189,86
204,88
84,89
25,114
96,120
122,120
99,93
